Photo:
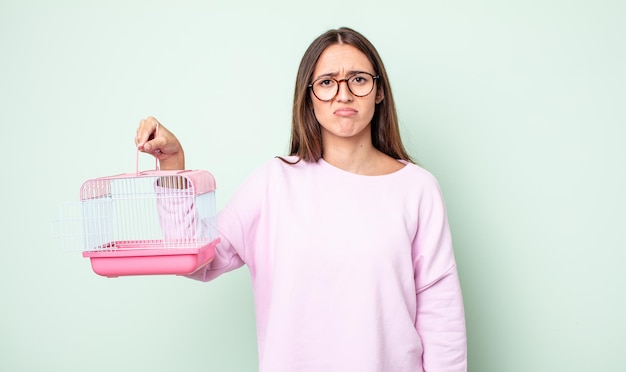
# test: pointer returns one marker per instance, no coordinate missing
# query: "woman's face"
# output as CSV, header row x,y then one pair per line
x,y
346,116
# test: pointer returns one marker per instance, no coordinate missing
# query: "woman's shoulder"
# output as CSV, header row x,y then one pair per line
x,y
415,174
281,163
416,170
273,167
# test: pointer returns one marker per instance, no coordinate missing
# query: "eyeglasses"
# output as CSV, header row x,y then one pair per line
x,y
359,84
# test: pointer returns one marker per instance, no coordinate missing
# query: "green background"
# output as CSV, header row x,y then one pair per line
x,y
517,107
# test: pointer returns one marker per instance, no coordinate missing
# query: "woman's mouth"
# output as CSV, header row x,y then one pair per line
x,y
345,111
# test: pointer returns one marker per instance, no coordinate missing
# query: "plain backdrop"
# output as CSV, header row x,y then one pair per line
x,y
517,107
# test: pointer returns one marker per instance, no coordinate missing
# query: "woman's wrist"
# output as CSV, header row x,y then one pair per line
x,y
173,162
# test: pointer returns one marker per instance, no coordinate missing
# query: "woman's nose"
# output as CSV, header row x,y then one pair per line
x,y
344,94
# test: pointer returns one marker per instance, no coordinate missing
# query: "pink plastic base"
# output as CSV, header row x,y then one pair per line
x,y
127,261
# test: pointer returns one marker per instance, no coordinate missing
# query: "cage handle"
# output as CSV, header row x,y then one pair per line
x,y
156,153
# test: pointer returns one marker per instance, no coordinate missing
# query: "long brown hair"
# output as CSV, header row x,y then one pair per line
x,y
306,136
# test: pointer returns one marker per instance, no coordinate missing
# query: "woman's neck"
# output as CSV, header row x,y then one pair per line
x,y
357,156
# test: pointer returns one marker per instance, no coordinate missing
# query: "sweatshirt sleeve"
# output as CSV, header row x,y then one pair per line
x,y
227,257
237,225
179,223
440,318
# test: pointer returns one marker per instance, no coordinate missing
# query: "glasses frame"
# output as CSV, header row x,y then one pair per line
x,y
374,78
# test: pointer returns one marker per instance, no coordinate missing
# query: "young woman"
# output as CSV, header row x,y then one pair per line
x,y
346,239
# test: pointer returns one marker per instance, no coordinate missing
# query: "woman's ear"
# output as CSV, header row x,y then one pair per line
x,y
380,95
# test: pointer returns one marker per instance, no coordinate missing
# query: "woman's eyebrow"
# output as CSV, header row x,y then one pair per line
x,y
334,74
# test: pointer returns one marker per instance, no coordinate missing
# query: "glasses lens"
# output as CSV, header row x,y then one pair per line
x,y
325,89
361,84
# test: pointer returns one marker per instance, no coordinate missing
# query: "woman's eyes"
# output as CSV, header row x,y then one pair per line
x,y
358,79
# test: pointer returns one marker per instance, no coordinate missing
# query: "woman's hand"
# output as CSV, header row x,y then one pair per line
x,y
153,138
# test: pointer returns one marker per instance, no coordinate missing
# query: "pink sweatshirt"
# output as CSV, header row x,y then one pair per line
x,y
349,272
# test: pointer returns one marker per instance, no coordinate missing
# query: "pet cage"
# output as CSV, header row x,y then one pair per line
x,y
144,223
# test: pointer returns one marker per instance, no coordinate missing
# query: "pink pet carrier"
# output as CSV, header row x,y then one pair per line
x,y
146,223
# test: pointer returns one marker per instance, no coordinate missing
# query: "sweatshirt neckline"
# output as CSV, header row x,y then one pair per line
x,y
346,173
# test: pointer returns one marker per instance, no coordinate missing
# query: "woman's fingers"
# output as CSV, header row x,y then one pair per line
x,y
153,138
151,135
